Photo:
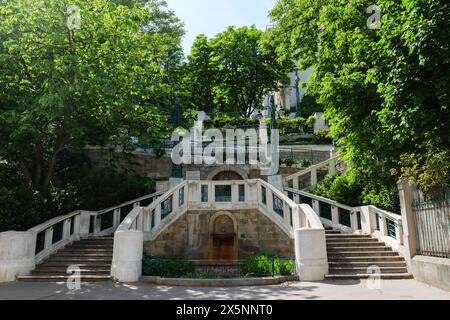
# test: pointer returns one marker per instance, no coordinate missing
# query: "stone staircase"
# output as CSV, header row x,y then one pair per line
x,y
92,255
350,255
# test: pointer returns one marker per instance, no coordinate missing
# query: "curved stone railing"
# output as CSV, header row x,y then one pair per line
x,y
382,224
21,251
314,174
147,223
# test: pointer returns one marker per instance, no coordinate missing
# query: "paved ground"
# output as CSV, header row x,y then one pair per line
x,y
344,290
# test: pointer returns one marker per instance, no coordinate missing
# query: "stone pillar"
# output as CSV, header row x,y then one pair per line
x,y
276,181
366,220
127,256
311,254
173,182
409,228
16,254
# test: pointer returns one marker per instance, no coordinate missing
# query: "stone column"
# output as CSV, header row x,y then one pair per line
x,y
127,256
16,254
409,228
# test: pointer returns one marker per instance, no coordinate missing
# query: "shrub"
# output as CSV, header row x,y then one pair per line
x,y
355,189
172,268
305,163
267,264
288,161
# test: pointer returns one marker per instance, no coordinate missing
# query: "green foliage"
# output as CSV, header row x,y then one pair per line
x,y
101,84
231,72
352,189
288,161
385,92
168,268
305,163
225,121
77,186
429,168
266,265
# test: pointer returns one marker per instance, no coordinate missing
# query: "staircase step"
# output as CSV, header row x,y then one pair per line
x,y
354,244
332,232
354,240
383,270
363,254
366,259
63,278
82,255
356,248
52,265
347,264
86,250
62,272
79,259
349,236
366,276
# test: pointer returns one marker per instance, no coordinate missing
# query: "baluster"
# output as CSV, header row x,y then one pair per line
x,y
335,215
314,177
158,215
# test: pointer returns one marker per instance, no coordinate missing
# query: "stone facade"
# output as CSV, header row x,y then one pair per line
x,y
191,236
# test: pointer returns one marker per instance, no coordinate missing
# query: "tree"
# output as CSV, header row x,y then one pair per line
x,y
234,71
201,75
385,91
64,88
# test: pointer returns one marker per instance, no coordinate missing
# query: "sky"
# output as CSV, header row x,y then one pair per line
x,y
211,17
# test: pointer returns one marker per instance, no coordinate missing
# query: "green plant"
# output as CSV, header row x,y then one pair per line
x,y
323,137
159,149
305,163
288,161
172,267
267,264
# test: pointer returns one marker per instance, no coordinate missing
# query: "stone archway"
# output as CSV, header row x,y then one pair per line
x,y
223,237
227,173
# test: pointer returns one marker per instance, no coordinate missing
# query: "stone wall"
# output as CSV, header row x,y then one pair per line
x,y
190,236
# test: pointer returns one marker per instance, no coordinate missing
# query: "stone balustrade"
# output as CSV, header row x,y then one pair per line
x,y
21,251
384,225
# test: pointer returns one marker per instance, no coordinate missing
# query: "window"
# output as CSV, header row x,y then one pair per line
x,y
344,217
264,195
223,193
278,206
166,207
204,193
181,197
325,210
241,192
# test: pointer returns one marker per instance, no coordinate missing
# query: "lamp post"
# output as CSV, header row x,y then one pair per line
x,y
176,121
274,126
298,111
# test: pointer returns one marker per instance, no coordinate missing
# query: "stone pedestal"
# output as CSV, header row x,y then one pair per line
x,y
127,255
16,254
311,254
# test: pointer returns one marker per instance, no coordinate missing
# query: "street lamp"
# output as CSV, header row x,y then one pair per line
x,y
298,111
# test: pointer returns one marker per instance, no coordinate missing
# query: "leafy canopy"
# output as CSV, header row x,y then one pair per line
x,y
64,89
